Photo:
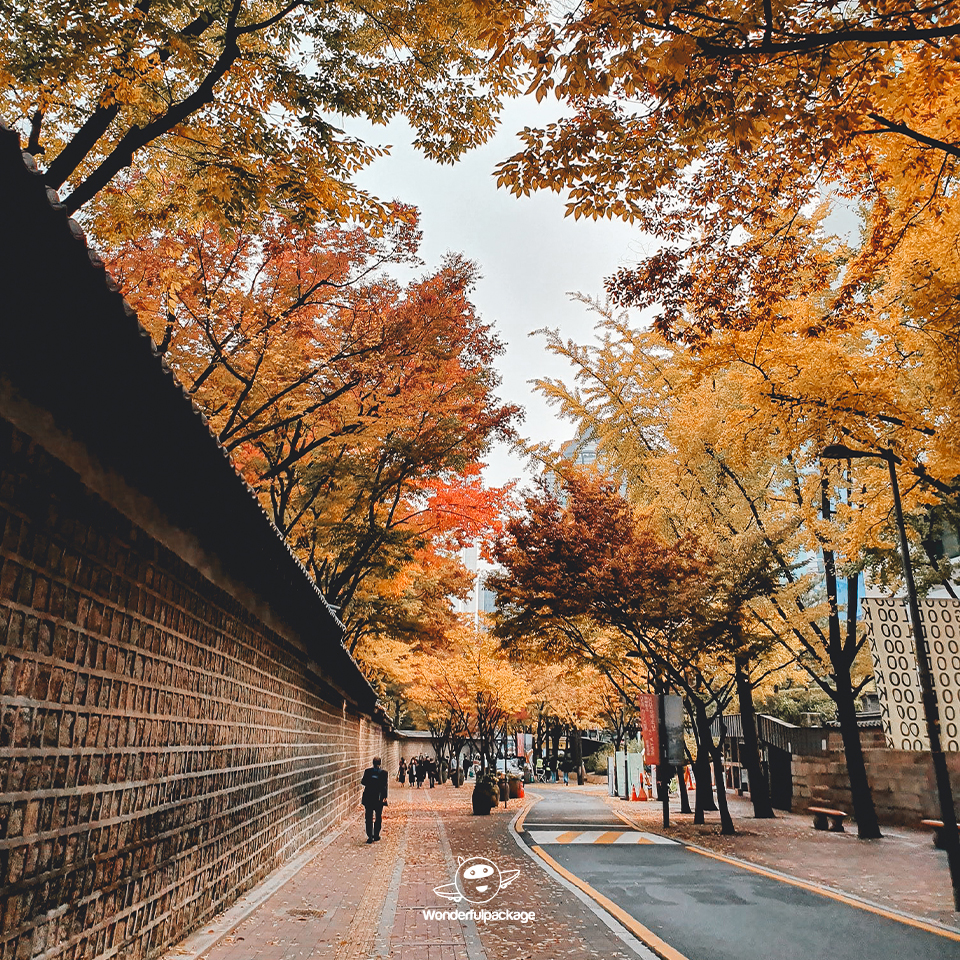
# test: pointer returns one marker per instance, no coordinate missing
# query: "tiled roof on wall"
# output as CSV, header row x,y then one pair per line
x,y
71,345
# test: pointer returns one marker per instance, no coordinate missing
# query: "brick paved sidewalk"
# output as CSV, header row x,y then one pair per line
x,y
902,871
354,901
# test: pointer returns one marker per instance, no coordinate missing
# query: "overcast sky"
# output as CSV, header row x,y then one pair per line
x,y
530,257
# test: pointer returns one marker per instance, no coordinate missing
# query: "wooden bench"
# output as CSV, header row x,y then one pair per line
x,y
939,841
823,814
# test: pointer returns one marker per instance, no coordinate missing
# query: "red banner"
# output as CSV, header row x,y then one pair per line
x,y
649,707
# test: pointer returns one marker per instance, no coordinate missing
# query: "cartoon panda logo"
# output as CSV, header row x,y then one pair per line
x,y
478,880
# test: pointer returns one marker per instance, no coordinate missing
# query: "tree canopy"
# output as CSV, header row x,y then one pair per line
x,y
225,107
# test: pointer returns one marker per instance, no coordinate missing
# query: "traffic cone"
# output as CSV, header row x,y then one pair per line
x,y
634,797
521,790
642,794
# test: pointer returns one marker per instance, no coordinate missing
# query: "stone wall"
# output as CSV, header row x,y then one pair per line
x,y
161,748
902,782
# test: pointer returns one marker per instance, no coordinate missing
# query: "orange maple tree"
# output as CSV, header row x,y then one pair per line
x,y
358,409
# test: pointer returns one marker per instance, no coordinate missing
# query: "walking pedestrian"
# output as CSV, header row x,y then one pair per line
x,y
412,770
374,798
421,772
402,772
431,771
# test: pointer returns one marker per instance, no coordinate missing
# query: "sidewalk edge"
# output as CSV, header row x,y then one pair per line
x,y
901,916
592,899
835,893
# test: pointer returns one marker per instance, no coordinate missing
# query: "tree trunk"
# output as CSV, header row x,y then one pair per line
x,y
701,765
842,653
577,754
864,811
684,799
727,828
750,752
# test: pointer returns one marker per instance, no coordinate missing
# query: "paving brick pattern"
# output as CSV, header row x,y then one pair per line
x,y
162,749
565,928
336,905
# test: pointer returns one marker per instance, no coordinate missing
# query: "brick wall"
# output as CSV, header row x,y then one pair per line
x,y
161,748
902,782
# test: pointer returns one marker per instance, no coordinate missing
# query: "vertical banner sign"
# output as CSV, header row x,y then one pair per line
x,y
941,625
673,717
895,669
649,709
521,746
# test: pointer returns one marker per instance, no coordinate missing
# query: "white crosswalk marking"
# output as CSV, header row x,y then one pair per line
x,y
596,836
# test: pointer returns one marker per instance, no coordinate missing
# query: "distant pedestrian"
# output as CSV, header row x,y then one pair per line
x,y
421,772
431,771
412,770
402,773
374,798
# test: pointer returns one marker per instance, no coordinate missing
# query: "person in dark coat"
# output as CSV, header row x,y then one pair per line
x,y
374,798
402,774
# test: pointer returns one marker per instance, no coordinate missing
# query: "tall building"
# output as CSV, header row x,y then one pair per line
x,y
481,600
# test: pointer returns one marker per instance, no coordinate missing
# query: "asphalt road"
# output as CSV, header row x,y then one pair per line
x,y
710,910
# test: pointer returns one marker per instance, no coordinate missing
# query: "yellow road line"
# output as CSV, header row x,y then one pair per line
x,y
567,837
823,891
609,836
535,799
625,819
655,943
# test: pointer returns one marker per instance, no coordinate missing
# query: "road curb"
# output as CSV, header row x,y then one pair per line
x,y
901,916
623,925
842,896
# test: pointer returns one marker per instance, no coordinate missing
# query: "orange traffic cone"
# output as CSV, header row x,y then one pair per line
x,y
521,790
641,793
634,796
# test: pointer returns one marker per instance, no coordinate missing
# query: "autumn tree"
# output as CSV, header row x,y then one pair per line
x,y
357,409
469,684
725,133
712,126
698,439
566,697
588,557
234,105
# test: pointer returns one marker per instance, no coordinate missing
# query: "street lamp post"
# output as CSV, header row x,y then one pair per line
x,y
931,711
